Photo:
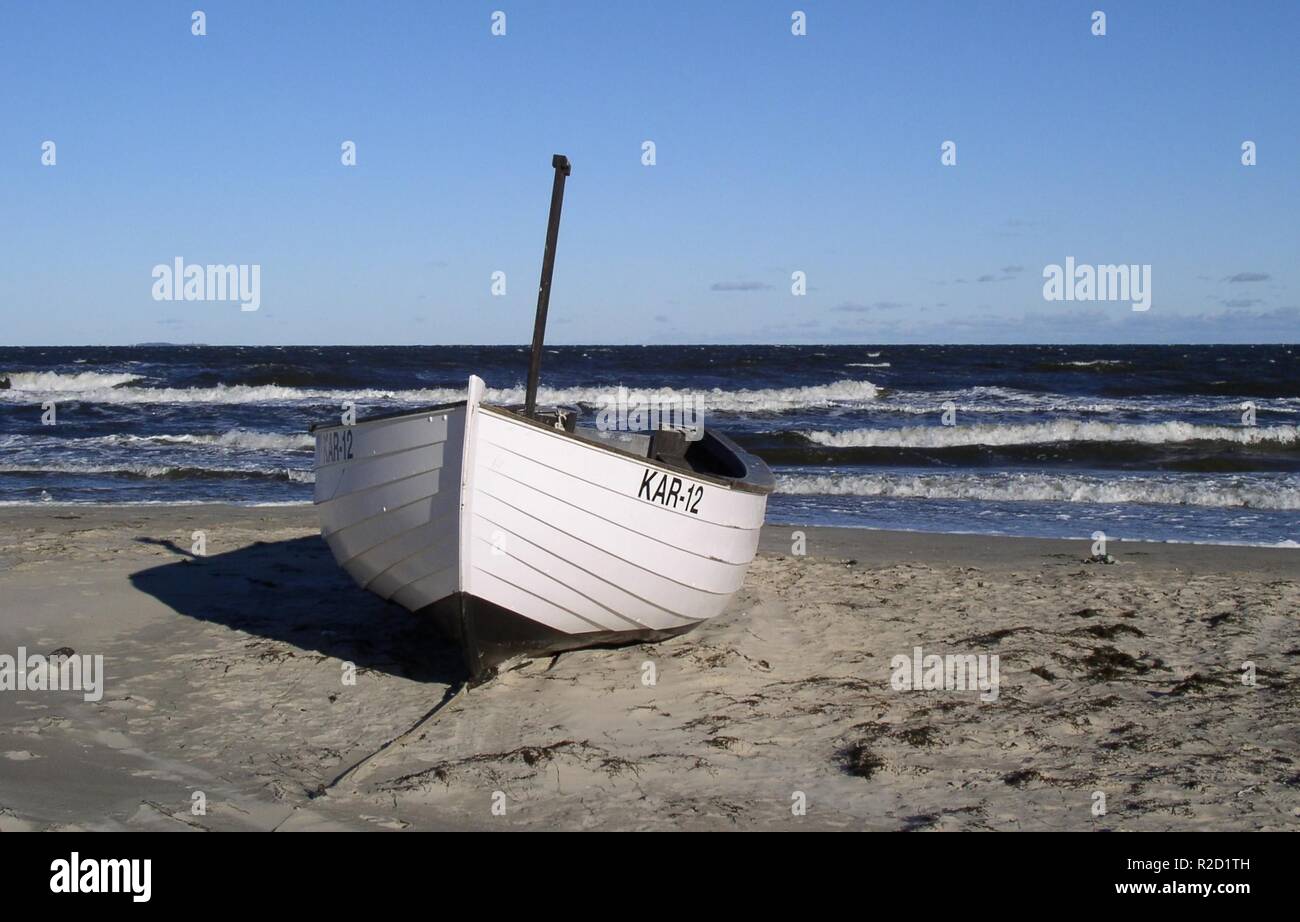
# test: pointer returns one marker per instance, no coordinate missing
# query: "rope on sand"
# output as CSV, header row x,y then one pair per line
x,y
451,695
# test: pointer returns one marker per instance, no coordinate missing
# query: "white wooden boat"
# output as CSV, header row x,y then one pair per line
x,y
518,537
521,533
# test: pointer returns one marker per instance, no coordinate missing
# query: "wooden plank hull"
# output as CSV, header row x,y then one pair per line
x,y
521,539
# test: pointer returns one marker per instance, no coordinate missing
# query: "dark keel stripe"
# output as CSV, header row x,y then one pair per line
x,y
488,634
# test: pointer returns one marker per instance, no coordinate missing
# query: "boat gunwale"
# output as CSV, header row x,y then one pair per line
x,y
758,477
395,414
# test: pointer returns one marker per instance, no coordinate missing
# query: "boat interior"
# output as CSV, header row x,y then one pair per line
x,y
711,454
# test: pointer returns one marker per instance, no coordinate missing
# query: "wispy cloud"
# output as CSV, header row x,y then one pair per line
x,y
853,307
1249,277
740,286
1008,274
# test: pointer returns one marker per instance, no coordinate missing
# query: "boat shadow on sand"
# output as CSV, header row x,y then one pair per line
x,y
293,592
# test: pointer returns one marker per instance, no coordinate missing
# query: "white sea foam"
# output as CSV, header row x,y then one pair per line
x,y
48,381
846,393
73,503
156,470
236,439
1005,400
103,388
1065,430
760,400
235,394
1062,488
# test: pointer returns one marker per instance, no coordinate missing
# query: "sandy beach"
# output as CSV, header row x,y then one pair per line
x,y
1119,685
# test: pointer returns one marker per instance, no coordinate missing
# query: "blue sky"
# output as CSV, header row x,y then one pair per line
x,y
775,153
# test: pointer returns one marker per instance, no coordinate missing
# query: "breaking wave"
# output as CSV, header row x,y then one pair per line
x,y
47,381
1003,400
846,393
162,471
1030,487
1067,430
237,439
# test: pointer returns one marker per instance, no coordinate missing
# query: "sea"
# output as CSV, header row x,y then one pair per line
x,y
1148,443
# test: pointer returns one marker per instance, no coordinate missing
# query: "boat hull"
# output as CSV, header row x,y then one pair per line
x,y
521,539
